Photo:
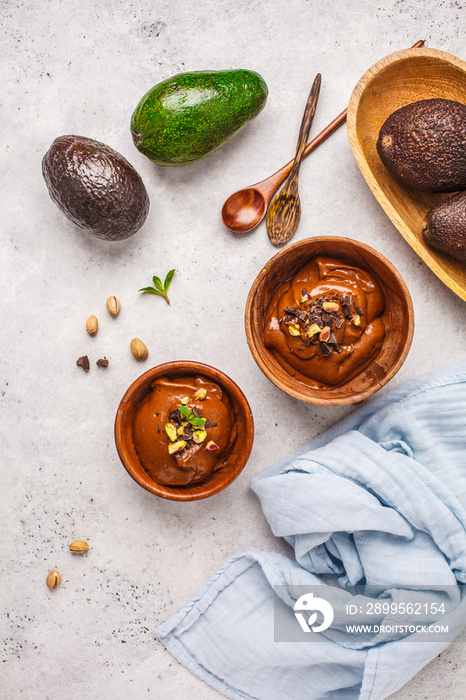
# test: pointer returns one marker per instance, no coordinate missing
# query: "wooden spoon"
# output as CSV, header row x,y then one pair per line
x,y
245,209
285,208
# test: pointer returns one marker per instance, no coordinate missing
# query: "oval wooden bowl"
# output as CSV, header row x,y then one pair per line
x,y
239,454
398,318
398,79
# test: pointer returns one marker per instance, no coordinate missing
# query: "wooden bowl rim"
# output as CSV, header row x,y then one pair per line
x,y
183,368
311,395
428,255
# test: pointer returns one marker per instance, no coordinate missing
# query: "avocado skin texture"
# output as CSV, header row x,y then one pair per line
x,y
444,227
186,117
427,150
95,187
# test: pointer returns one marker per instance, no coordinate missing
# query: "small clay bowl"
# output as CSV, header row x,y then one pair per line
x,y
127,411
398,318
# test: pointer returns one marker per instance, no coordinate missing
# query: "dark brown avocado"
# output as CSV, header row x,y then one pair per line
x,y
423,144
95,187
444,227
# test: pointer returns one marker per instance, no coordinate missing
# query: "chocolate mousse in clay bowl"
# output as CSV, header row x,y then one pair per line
x,y
329,320
184,430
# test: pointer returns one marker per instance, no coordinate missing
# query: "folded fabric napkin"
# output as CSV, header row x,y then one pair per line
x,y
379,499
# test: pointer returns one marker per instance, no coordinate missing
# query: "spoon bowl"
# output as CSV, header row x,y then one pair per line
x,y
244,210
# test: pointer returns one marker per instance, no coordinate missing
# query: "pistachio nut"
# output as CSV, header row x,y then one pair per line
x,y
177,446
53,579
200,395
199,436
79,546
170,429
138,349
312,330
325,334
113,306
330,306
92,325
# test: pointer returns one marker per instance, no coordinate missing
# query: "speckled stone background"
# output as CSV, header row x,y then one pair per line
x,y
70,67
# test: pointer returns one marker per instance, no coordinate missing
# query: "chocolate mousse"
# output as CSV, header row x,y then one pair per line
x,y
325,325
184,430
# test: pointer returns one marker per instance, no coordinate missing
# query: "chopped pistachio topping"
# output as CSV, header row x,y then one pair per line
x,y
325,334
185,400
211,445
199,436
170,429
330,306
177,446
312,330
200,395
294,330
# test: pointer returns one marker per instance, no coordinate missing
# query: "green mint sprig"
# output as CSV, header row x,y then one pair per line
x,y
190,417
160,288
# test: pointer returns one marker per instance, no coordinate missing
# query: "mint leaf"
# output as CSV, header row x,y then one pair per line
x,y
160,289
158,283
151,290
197,421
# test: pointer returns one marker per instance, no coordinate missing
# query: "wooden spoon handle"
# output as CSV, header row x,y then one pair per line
x,y
306,124
270,185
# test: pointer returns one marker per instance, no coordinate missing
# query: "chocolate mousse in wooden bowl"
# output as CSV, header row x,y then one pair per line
x,y
184,430
329,320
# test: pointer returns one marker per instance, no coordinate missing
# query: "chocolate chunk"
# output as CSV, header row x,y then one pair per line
x,y
83,362
102,362
339,322
291,310
197,412
175,416
346,312
207,424
346,300
359,310
325,349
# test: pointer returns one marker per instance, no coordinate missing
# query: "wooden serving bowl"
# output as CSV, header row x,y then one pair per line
x,y
397,80
240,451
398,318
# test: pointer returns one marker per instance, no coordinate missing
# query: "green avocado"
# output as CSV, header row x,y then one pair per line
x,y
423,144
444,227
186,117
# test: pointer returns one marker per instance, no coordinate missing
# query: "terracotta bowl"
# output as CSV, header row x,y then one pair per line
x,y
240,451
398,318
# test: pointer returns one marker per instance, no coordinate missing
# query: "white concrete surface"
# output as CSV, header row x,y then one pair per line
x,y
81,68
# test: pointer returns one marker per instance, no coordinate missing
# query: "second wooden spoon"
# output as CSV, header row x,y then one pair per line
x,y
285,208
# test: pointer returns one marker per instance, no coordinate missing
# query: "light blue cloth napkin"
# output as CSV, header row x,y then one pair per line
x,y
378,499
